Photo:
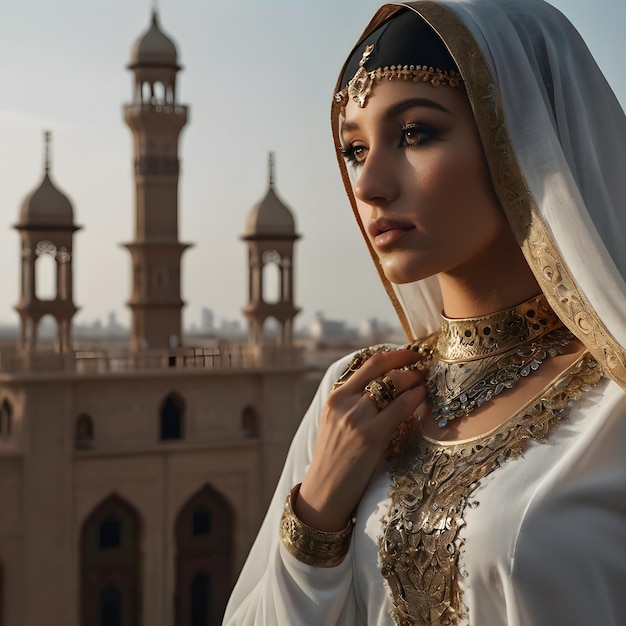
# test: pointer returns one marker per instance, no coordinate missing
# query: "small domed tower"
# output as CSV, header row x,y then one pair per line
x,y
46,227
270,233
156,120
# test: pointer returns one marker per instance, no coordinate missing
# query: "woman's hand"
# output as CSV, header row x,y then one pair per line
x,y
352,436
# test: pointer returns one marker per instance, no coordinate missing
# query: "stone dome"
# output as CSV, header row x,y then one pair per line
x,y
47,206
154,48
270,217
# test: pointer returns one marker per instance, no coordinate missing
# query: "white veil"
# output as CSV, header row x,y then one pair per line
x,y
555,139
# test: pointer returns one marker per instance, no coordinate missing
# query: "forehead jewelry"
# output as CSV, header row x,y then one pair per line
x,y
360,86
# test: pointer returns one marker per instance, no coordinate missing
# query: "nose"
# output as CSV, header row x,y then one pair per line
x,y
376,183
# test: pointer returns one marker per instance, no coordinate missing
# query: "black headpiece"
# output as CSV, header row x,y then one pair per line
x,y
405,46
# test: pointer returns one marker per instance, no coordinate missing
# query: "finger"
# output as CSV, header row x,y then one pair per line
x,y
405,379
378,365
383,392
368,406
405,405
379,426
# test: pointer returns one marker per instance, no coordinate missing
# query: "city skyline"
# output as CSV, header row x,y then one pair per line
x,y
258,77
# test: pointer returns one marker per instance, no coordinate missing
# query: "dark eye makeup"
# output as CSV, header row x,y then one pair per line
x,y
412,135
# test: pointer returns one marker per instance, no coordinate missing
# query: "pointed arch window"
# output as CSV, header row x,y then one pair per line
x,y
272,277
250,421
172,417
46,287
146,92
84,433
170,94
110,534
6,419
159,92
201,521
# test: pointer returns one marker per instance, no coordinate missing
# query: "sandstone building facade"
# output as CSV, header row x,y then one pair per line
x,y
133,482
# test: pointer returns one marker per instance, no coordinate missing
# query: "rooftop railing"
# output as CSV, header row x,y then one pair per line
x,y
102,361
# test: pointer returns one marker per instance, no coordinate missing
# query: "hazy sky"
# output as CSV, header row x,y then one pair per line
x,y
258,76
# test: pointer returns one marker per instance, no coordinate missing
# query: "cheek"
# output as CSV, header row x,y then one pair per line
x,y
438,187
461,183
364,211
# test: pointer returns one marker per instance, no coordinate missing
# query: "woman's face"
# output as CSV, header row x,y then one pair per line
x,y
420,179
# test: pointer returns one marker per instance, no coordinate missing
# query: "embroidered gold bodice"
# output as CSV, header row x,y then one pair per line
x,y
432,486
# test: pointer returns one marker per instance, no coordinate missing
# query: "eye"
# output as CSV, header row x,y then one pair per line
x,y
418,134
354,154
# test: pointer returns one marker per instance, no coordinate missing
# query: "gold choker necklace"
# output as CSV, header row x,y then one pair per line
x,y
479,357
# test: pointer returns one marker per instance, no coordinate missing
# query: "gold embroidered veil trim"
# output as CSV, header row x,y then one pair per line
x,y
536,241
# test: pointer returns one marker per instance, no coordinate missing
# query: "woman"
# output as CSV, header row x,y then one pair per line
x,y
477,476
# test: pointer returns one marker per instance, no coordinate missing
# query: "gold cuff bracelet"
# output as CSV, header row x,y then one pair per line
x,y
310,546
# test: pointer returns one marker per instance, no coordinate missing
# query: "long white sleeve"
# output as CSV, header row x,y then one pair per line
x,y
274,588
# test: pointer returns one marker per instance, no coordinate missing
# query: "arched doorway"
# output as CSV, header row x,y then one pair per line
x,y
203,559
110,568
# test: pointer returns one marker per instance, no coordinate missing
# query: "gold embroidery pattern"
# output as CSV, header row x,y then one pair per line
x,y
420,546
532,234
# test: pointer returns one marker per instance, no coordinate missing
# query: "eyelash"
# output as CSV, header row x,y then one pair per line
x,y
425,134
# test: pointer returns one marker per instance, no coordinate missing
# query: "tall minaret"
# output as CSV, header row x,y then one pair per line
x,y
156,120
46,226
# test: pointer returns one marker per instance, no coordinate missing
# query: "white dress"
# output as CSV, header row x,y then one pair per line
x,y
541,540
544,541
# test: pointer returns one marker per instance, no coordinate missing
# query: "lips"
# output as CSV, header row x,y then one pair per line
x,y
386,231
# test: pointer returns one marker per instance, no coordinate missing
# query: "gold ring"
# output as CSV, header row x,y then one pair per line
x,y
382,391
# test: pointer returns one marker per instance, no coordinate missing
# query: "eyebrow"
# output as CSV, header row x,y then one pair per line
x,y
401,107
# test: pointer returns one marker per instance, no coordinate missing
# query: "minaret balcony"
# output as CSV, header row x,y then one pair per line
x,y
146,117
156,109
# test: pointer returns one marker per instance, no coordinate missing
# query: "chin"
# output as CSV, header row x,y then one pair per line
x,y
404,279
402,275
